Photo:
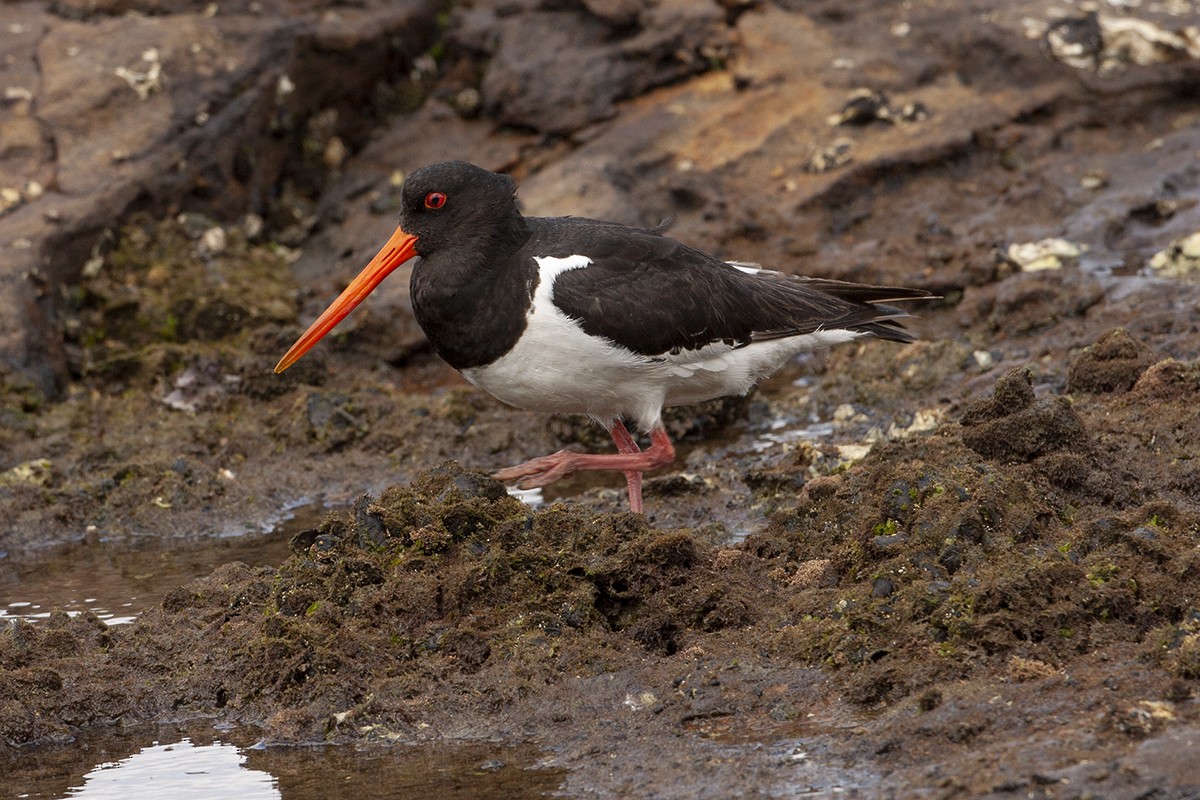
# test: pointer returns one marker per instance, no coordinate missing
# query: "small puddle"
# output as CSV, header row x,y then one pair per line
x,y
178,770
118,583
168,762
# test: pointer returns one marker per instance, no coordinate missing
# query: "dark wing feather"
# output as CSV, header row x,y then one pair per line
x,y
652,294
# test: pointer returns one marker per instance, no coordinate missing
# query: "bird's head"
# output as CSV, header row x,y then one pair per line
x,y
456,204
441,207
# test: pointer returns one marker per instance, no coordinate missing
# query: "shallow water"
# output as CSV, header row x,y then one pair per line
x,y
197,763
118,582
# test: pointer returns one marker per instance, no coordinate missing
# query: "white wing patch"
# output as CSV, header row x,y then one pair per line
x,y
748,267
556,367
548,271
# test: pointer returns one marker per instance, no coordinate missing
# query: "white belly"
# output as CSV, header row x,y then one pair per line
x,y
556,367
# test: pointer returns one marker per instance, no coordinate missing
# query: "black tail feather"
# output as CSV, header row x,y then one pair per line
x,y
848,306
866,293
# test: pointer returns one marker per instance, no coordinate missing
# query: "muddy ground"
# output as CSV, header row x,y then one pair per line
x,y
965,567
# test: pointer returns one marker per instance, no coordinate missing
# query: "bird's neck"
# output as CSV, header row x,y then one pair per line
x,y
472,302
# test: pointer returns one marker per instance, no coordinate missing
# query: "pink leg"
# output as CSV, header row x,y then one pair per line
x,y
545,470
633,478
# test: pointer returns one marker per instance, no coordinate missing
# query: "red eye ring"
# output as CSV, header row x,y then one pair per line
x,y
435,200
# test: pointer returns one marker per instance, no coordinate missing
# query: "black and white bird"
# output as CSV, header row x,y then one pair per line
x,y
570,315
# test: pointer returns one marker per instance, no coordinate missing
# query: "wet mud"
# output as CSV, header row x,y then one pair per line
x,y
964,567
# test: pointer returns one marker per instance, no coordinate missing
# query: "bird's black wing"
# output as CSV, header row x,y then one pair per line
x,y
654,295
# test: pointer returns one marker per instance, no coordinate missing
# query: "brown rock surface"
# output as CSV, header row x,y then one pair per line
x,y
1113,364
962,567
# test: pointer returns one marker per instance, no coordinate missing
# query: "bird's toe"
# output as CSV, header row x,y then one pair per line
x,y
538,472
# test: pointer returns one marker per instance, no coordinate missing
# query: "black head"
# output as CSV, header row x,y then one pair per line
x,y
445,205
463,214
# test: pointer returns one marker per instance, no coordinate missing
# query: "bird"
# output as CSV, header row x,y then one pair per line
x,y
581,316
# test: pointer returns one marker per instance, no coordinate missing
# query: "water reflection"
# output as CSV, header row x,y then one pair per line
x,y
444,771
179,771
200,762
117,583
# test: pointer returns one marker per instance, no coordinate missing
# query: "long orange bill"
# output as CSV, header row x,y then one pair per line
x,y
400,248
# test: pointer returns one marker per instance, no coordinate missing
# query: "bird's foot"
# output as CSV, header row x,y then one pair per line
x,y
545,470
540,471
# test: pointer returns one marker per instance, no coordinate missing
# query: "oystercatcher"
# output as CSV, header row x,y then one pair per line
x,y
569,315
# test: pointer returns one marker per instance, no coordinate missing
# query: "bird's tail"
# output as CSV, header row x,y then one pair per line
x,y
874,315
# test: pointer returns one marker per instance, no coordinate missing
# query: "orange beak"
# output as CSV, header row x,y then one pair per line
x,y
400,248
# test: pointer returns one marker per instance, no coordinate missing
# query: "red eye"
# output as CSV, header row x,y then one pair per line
x,y
435,200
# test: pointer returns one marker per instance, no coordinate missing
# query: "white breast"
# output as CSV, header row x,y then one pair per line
x,y
556,367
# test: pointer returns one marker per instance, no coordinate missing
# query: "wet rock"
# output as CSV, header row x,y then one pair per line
x,y
1031,301
1066,470
889,541
1012,393
968,527
1029,669
469,648
151,287
1110,43
819,489
368,522
1048,254
1179,647
1159,210
302,541
1113,364
37,472
776,479
1076,40
675,485
322,543
629,49
863,107
447,504
951,558
814,573
899,500
617,12
1013,425
1169,380
825,158
137,110
1179,259
471,485
332,419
